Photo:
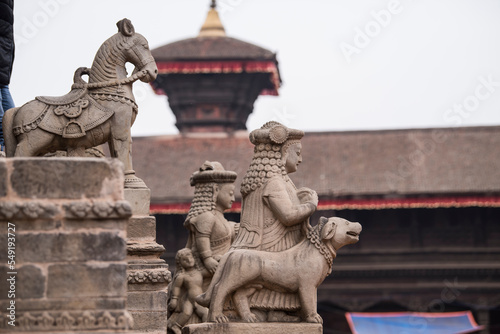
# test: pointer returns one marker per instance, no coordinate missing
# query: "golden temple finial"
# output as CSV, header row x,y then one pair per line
x,y
212,25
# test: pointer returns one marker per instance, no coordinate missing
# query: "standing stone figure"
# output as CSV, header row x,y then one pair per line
x,y
210,234
190,279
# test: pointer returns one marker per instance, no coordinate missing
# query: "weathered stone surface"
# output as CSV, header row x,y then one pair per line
x,y
110,303
86,280
82,246
147,300
41,225
144,248
3,244
30,282
106,224
3,176
139,199
60,178
254,328
141,227
147,286
4,287
150,321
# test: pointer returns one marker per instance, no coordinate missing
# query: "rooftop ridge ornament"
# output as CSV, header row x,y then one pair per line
x,y
213,26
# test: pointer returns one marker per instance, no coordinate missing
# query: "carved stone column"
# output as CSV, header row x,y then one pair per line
x,y
63,262
148,275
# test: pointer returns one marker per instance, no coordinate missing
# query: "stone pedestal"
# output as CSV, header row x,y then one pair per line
x,y
255,328
148,275
63,262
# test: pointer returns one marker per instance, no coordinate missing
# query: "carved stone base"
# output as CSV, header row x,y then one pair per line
x,y
147,275
139,200
70,268
255,328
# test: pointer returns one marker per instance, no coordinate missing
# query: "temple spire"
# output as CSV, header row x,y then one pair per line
x,y
212,25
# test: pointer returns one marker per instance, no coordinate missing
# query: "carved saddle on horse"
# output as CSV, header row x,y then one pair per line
x,y
70,115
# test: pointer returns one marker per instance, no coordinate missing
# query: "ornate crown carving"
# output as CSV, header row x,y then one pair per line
x,y
212,171
274,133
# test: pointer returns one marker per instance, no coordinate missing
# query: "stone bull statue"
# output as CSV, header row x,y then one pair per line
x,y
301,269
102,110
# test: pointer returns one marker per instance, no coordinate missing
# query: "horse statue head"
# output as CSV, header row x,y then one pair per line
x,y
109,62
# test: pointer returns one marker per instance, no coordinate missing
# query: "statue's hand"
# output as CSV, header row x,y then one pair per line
x,y
307,195
211,264
314,199
173,304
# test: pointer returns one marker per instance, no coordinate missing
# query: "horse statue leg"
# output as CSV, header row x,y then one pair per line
x,y
120,146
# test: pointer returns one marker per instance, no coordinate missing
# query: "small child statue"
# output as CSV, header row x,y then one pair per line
x,y
189,279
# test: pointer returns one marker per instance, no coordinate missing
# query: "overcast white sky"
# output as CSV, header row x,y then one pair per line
x,y
345,65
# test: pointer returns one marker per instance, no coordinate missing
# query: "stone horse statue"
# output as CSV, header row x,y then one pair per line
x,y
102,110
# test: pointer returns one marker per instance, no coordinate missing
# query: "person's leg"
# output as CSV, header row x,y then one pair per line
x,y
1,119
6,103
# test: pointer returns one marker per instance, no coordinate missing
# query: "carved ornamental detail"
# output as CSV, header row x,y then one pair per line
x,y
68,320
149,276
73,210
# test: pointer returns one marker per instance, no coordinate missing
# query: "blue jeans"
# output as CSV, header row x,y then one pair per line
x,y
6,103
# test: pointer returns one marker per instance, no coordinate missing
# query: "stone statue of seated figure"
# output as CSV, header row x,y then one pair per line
x,y
265,275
